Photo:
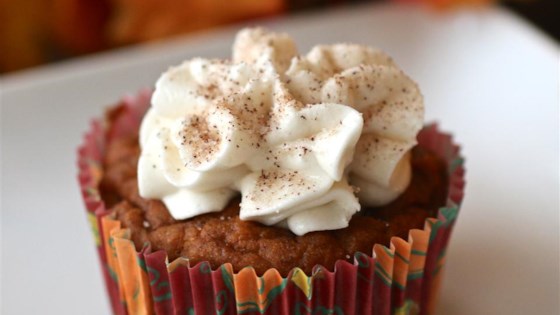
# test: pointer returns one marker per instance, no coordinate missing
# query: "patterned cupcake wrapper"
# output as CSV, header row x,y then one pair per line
x,y
401,279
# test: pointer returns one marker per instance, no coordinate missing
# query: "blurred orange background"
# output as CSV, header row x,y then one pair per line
x,y
36,31
33,32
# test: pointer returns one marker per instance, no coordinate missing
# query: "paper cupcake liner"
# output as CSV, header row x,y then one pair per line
x,y
402,279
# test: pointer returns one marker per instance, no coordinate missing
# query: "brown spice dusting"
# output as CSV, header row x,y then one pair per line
x,y
222,237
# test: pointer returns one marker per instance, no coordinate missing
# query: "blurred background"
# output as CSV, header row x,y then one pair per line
x,y
36,32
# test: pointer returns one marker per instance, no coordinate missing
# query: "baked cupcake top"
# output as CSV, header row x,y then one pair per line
x,y
306,140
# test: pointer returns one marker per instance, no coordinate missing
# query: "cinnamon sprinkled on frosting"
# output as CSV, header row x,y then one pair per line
x,y
290,133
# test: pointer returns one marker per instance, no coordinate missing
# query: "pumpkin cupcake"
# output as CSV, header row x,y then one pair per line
x,y
273,183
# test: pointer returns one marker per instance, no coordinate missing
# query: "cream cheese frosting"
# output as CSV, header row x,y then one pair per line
x,y
296,136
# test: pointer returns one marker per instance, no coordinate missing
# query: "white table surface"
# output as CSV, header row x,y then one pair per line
x,y
487,76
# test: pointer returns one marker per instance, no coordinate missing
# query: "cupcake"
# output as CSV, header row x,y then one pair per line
x,y
272,183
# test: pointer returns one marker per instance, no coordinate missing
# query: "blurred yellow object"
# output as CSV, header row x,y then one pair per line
x,y
456,3
33,32
141,20
22,34
38,31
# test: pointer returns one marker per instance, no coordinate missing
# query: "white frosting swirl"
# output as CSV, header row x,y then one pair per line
x,y
288,132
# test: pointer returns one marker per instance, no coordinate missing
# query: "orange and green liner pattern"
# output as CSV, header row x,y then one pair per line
x,y
403,278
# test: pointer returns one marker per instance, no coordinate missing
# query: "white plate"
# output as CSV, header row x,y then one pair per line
x,y
487,76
